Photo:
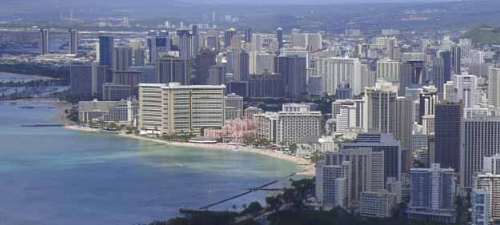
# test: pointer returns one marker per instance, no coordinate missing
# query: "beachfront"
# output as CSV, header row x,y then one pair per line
x,y
307,167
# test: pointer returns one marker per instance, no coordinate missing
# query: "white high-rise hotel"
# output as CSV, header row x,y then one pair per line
x,y
337,70
173,108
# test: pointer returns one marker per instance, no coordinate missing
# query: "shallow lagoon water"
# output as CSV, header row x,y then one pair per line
x,y
54,176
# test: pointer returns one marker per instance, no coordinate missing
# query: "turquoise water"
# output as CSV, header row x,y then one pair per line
x,y
54,176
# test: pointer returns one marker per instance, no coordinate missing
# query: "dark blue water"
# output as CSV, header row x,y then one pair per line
x,y
54,176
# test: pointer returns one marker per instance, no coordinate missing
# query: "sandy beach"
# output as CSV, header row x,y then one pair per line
x,y
307,167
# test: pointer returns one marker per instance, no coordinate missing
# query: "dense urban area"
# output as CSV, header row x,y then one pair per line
x,y
391,109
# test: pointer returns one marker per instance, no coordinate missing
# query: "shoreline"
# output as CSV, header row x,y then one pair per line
x,y
306,166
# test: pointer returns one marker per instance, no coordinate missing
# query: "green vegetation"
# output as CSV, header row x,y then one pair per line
x,y
291,208
255,141
72,114
484,35
48,70
179,137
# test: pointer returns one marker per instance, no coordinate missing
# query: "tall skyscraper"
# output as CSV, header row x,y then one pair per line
x,y
248,35
494,87
405,117
158,44
228,36
130,78
293,71
447,135
441,69
122,58
480,138
81,80
279,37
332,184
106,48
462,88
381,107
44,41
170,69
139,56
432,195
456,59
185,44
196,40
338,70
412,75
73,41
427,103
385,143
366,172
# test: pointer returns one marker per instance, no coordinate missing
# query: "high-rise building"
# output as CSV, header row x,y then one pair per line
x,y
73,41
447,135
432,194
381,107
261,62
366,172
216,74
279,37
185,44
116,92
81,80
442,69
131,78
385,143
233,107
412,74
480,138
44,41
336,71
427,103
228,36
158,44
267,124
332,184
342,112
377,204
122,58
293,71
170,69
388,70
456,59
485,198
196,39
106,48
298,124
138,56
494,87
86,80
248,35
176,109
405,116
266,85
481,200
308,41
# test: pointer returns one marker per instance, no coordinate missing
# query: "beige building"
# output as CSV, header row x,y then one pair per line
x,y
388,70
298,124
494,87
173,108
